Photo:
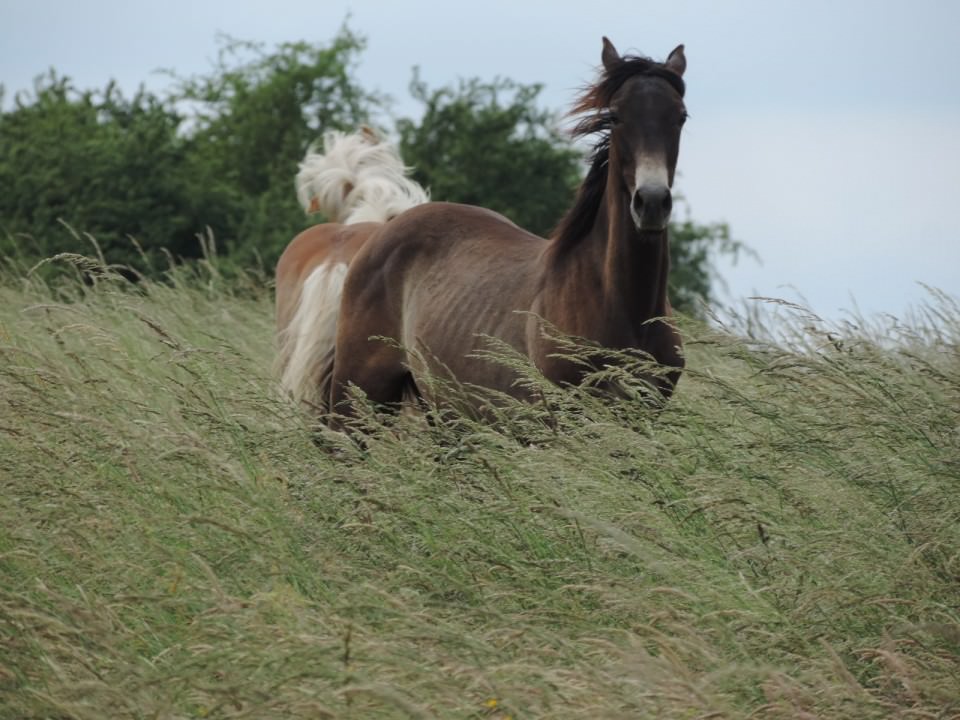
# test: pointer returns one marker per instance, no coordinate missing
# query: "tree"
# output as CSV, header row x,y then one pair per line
x,y
693,248
487,143
255,114
220,151
107,165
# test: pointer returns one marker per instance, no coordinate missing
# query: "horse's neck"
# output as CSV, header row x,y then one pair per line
x,y
607,286
635,270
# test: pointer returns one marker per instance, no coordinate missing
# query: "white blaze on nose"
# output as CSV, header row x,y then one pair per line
x,y
651,173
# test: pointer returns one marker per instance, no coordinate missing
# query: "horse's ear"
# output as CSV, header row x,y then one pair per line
x,y
369,135
677,61
610,56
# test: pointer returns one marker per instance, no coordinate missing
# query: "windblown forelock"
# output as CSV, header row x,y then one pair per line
x,y
597,98
599,95
598,120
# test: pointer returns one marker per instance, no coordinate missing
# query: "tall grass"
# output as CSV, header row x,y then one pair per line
x,y
176,540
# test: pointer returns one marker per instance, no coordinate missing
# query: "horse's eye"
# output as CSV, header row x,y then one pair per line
x,y
683,118
613,118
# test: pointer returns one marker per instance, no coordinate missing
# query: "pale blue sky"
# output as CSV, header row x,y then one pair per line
x,y
826,133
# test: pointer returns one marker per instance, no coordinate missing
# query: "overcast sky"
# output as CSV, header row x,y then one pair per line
x,y
827,133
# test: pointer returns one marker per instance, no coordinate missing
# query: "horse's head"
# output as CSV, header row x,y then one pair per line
x,y
645,113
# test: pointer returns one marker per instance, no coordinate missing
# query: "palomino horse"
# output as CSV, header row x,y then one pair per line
x,y
359,182
439,277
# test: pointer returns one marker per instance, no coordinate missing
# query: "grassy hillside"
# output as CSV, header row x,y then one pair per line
x,y
783,540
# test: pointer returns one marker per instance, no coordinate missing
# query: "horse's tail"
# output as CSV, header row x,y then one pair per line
x,y
359,177
305,345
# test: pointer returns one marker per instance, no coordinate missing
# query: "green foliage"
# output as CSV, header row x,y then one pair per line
x,y
488,144
111,166
255,113
218,152
693,249
780,541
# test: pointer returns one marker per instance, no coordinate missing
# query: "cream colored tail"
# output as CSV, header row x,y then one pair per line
x,y
305,352
357,178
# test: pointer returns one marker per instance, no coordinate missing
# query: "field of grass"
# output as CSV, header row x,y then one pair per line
x,y
782,541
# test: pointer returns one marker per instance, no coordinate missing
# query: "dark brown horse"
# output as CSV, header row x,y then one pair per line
x,y
440,277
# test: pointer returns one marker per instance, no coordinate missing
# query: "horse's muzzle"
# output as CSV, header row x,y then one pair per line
x,y
651,206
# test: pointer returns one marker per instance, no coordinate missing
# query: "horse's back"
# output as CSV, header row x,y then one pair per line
x,y
327,244
447,223
447,237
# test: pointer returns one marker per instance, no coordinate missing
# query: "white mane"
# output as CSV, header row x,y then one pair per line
x,y
357,178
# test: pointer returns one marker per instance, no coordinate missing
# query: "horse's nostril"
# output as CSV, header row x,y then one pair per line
x,y
646,195
651,206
